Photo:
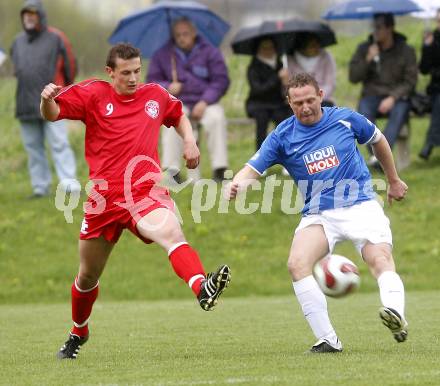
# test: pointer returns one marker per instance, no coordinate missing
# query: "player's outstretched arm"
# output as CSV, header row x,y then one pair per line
x,y
397,188
241,180
48,107
191,152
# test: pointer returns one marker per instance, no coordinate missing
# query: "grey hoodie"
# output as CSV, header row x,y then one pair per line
x,y
35,55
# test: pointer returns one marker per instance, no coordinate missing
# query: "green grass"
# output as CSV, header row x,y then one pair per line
x,y
249,341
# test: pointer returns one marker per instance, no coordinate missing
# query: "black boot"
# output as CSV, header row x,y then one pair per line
x,y
426,151
219,174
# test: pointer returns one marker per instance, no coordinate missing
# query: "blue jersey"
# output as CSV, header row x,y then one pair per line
x,y
322,158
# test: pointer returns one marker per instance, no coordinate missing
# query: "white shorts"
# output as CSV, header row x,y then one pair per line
x,y
359,223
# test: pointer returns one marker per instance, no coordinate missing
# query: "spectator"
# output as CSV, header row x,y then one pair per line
x,y
310,57
430,64
387,67
266,101
193,70
40,56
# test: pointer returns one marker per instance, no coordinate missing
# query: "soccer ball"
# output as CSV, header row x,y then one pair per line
x,y
336,275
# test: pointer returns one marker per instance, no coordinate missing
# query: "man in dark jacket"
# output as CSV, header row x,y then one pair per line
x,y
387,67
40,57
194,71
430,64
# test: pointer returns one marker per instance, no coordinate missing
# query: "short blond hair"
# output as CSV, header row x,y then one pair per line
x,y
300,80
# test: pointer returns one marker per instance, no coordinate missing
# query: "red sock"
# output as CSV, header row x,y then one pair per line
x,y
82,303
187,265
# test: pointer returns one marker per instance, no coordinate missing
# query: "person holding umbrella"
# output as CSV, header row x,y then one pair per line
x,y
267,77
265,101
309,56
430,64
193,70
387,68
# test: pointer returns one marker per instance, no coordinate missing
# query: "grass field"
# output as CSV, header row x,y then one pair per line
x,y
247,341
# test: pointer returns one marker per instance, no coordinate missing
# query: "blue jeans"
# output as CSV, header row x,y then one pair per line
x,y
33,133
433,134
397,117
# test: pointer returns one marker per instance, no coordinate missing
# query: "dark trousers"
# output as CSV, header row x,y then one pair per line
x,y
397,117
433,134
264,116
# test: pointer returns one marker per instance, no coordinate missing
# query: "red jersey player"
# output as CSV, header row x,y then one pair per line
x,y
123,120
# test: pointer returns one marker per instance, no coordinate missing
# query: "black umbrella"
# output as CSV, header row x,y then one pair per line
x,y
286,34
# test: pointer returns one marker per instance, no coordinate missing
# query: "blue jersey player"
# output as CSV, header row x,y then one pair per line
x,y
318,147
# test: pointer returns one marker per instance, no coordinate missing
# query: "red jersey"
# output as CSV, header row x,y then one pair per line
x,y
120,129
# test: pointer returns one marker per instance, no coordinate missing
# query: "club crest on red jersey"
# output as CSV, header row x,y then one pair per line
x,y
152,108
321,159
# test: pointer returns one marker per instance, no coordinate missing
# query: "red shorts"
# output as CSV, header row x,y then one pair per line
x,y
115,217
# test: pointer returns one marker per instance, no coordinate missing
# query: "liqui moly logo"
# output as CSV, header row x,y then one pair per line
x,y
322,159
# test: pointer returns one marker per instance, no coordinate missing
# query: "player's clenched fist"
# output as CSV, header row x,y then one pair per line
x,y
191,154
397,191
230,191
48,107
50,91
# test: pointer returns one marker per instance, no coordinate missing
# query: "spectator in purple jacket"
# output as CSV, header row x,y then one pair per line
x,y
193,70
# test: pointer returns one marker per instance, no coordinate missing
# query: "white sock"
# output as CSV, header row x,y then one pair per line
x,y
314,306
392,292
